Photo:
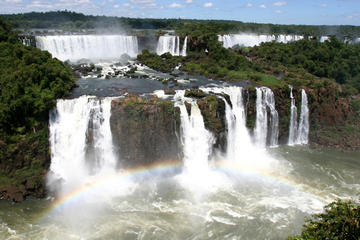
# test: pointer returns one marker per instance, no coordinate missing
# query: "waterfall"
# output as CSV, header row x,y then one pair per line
x,y
324,38
238,138
251,40
293,120
92,47
265,101
303,130
183,51
80,141
170,44
26,41
196,140
299,132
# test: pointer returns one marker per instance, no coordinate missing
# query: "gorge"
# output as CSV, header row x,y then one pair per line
x,y
141,152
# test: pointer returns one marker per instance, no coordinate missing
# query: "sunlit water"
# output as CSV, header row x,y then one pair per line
x,y
248,204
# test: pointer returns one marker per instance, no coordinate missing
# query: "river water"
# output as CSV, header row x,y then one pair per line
x,y
156,204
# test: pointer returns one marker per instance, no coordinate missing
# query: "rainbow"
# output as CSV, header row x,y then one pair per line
x,y
163,168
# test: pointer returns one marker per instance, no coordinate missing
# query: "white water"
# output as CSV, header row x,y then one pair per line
x,y
92,47
171,44
303,130
184,49
81,143
263,134
299,132
196,140
293,120
259,197
324,38
251,40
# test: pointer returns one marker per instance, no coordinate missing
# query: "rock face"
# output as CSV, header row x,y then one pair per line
x,y
213,111
334,120
145,131
22,168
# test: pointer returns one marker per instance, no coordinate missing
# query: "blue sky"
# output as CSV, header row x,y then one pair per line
x,y
334,12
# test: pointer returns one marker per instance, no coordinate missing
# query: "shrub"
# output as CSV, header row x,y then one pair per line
x,y
339,221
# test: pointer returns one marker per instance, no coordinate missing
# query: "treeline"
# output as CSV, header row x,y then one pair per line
x,y
30,82
68,20
331,59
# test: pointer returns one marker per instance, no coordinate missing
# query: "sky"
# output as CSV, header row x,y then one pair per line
x,y
310,12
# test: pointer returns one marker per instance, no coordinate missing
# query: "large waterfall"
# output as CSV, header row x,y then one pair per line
x,y
238,137
264,134
81,142
92,47
171,44
196,140
251,40
299,131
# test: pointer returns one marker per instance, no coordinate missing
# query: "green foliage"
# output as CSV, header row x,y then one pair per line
x,y
30,82
341,220
163,63
70,20
331,59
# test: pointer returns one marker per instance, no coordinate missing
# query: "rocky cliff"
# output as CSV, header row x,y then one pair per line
x,y
145,130
23,166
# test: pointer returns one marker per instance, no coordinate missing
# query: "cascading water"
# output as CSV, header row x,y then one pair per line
x,y
293,120
299,132
197,144
303,130
238,138
251,40
265,100
80,141
184,49
171,44
196,140
92,47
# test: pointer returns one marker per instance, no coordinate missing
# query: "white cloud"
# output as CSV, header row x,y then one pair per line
x,y
249,5
39,5
279,4
323,5
262,6
278,11
142,1
208,4
126,4
116,6
189,1
176,5
74,2
13,1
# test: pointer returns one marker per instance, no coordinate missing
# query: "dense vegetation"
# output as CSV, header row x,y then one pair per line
x,y
30,82
331,59
341,220
70,21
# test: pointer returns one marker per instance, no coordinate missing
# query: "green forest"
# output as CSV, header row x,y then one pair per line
x,y
30,82
71,21
301,63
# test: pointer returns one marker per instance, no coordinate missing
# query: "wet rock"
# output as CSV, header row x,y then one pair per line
x,y
169,92
145,130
